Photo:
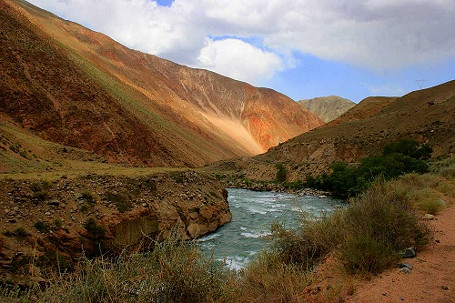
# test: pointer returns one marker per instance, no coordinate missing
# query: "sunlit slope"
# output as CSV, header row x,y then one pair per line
x,y
80,88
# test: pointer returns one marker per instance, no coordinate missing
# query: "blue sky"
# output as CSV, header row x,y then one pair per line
x,y
304,49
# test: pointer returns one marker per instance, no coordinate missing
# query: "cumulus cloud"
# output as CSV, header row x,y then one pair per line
x,y
239,60
377,34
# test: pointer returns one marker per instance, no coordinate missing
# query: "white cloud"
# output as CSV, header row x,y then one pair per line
x,y
239,60
385,89
378,34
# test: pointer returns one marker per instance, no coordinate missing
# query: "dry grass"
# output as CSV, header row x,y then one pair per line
x,y
366,238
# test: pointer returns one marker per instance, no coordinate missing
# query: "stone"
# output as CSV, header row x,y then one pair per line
x,y
445,287
54,203
405,270
409,252
442,202
405,265
428,217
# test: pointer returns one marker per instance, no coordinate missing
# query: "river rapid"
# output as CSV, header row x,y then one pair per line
x,y
253,213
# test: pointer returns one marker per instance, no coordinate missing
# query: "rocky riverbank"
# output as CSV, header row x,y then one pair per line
x,y
292,188
48,225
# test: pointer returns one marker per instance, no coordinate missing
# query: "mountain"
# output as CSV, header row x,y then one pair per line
x,y
427,116
365,109
327,108
78,88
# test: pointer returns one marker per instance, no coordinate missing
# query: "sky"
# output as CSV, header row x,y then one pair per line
x,y
302,48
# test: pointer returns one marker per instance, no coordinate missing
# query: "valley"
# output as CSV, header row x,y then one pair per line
x,y
126,177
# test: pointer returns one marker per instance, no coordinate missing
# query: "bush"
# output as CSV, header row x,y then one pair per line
x,y
95,229
173,271
122,202
379,224
268,279
19,233
40,190
402,157
88,197
367,236
281,173
42,226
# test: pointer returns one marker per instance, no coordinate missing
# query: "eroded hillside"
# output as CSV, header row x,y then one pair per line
x,y
80,88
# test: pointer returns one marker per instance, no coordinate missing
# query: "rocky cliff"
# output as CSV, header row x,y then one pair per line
x,y
44,222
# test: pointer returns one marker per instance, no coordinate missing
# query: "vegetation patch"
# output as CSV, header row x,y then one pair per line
x,y
19,233
403,157
42,226
96,230
121,201
40,190
281,174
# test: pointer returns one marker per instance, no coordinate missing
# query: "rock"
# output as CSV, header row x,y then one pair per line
x,y
409,252
404,265
54,203
442,202
405,270
444,287
428,217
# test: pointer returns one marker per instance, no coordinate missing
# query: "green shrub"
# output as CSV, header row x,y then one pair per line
x,y
40,190
379,224
95,229
367,236
88,197
173,271
364,253
122,202
41,195
310,243
281,174
402,157
19,233
177,176
42,226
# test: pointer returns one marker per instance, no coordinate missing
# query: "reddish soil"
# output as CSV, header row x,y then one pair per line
x,y
431,280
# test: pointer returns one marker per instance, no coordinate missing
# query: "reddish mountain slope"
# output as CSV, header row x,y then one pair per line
x,y
426,115
80,88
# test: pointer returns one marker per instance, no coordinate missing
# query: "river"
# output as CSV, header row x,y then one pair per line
x,y
253,213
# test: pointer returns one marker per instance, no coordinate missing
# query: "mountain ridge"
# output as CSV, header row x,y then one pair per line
x,y
327,108
143,109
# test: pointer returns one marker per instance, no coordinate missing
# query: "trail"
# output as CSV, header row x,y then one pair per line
x,y
431,280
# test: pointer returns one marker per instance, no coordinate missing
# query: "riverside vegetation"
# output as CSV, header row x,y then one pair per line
x,y
365,238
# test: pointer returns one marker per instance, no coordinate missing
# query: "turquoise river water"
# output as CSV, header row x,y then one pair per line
x,y
253,213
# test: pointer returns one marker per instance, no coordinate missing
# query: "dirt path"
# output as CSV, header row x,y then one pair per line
x,y
431,280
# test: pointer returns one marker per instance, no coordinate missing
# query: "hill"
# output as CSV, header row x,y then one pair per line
x,y
327,108
427,116
78,88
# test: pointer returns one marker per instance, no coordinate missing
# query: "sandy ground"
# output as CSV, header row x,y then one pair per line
x,y
432,278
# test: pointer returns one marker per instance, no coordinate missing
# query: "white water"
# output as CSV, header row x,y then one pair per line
x,y
253,213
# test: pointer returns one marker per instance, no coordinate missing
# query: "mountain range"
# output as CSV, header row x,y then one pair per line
x,y
69,85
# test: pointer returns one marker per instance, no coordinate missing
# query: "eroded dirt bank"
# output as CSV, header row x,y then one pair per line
x,y
52,224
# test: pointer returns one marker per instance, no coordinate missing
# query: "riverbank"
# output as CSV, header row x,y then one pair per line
x,y
295,188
